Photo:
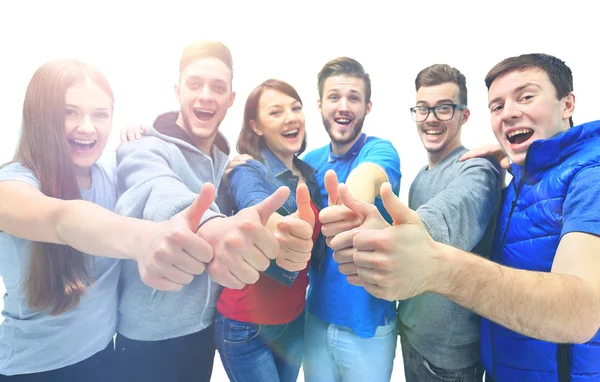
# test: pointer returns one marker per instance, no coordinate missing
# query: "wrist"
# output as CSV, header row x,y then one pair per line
x,y
444,264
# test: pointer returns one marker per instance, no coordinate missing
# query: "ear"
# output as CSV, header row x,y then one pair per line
x,y
369,106
319,105
465,116
569,106
255,128
177,91
231,99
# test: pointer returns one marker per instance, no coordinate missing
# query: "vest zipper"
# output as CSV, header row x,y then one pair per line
x,y
501,249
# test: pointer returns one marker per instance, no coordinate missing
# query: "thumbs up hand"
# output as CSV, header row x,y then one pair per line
x,y
367,217
242,245
398,262
294,233
336,217
173,254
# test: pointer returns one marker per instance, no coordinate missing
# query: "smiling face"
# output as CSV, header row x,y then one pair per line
x,y
440,137
343,109
204,94
281,124
524,108
88,122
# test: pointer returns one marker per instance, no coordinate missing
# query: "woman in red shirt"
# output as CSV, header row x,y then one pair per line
x,y
260,328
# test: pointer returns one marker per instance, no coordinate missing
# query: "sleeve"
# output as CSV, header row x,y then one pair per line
x,y
460,214
382,153
15,171
581,210
246,184
148,187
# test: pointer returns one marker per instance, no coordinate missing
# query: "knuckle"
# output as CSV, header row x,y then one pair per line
x,y
234,242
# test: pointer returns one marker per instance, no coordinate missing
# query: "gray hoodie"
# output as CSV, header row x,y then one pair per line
x,y
158,176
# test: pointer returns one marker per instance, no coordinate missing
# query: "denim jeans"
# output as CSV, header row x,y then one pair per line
x,y
418,369
260,353
334,353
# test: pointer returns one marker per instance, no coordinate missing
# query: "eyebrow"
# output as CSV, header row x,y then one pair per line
x,y
439,102
338,90
279,105
96,109
516,90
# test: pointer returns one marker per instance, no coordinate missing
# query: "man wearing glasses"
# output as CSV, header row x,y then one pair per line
x,y
457,202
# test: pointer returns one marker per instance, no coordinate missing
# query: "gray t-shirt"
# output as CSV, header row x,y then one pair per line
x,y
457,202
33,341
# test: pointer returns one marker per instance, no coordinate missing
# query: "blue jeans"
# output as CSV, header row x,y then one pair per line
x,y
418,369
261,353
334,353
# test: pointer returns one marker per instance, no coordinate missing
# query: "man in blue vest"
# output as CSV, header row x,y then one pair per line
x,y
540,294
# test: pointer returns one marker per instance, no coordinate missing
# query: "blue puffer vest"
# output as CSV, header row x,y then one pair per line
x,y
527,237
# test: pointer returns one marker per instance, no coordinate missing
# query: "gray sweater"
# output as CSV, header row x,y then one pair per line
x,y
159,176
458,203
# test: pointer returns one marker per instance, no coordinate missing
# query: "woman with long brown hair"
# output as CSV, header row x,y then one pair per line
x,y
260,328
60,306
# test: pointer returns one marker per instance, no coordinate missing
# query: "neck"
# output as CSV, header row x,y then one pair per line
x,y
342,148
83,175
203,144
434,158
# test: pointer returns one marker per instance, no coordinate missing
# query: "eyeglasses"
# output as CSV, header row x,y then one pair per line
x,y
443,112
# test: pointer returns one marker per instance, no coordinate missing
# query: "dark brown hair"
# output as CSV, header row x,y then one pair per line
x,y
344,66
57,274
249,142
438,74
558,72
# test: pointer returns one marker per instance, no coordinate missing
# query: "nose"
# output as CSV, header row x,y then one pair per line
x,y
205,93
86,124
431,117
343,104
510,111
291,116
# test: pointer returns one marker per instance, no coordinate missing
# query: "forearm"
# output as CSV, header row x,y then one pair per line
x,y
364,182
94,230
547,306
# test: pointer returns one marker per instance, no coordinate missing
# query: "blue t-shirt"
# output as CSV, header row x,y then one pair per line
x,y
330,297
33,341
581,211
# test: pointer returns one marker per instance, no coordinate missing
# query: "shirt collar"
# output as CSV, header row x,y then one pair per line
x,y
351,152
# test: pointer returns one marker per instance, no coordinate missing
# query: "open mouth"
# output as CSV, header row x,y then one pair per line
x,y
434,131
204,114
291,133
343,121
519,136
82,144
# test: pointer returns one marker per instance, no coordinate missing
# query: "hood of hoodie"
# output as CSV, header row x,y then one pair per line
x,y
166,125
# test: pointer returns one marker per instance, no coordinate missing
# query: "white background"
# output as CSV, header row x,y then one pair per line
x,y
137,46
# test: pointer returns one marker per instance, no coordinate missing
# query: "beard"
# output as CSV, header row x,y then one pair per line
x,y
356,130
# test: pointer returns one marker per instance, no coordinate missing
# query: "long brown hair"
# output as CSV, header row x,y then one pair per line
x,y
57,274
249,142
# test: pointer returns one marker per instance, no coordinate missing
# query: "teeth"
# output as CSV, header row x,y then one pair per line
x,y
204,111
290,132
83,142
517,132
433,132
342,120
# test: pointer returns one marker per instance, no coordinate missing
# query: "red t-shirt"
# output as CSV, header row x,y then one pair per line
x,y
267,301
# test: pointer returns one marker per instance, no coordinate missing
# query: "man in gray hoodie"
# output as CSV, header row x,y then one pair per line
x,y
168,336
